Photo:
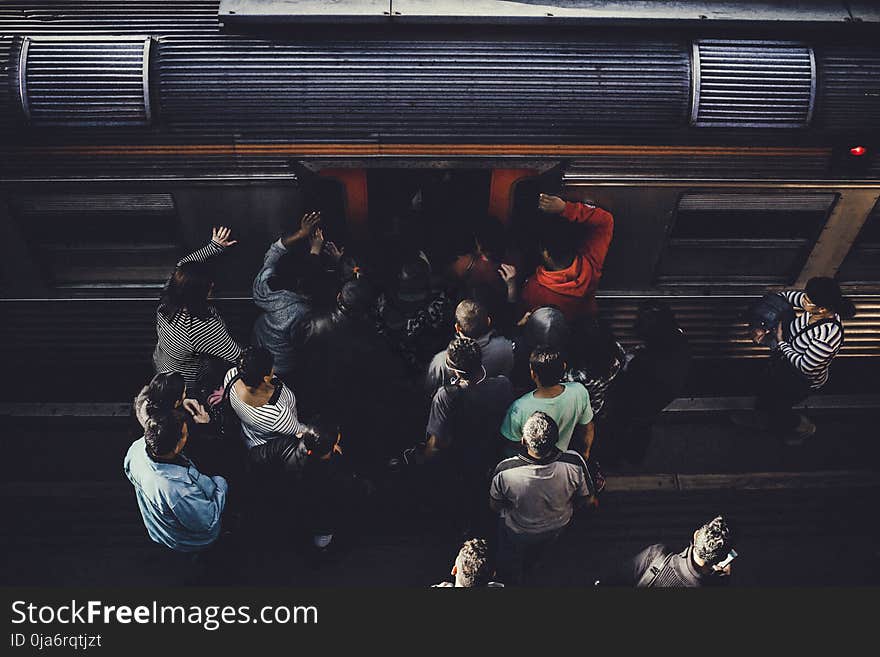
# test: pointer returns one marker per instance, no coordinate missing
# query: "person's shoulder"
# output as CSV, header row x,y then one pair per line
x,y
231,372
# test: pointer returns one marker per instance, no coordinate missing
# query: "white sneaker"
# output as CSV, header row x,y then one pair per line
x,y
321,541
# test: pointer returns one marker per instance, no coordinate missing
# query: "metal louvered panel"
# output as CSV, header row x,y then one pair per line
x,y
737,201
7,107
752,84
31,206
109,16
405,90
62,81
849,95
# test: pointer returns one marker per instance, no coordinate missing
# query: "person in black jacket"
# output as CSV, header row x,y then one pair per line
x,y
651,380
705,562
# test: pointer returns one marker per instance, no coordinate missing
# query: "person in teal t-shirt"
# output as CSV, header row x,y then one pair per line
x,y
567,403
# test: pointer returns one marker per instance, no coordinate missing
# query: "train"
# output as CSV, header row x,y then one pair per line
x,y
736,150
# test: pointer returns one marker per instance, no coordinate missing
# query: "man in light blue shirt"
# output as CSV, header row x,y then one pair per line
x,y
181,507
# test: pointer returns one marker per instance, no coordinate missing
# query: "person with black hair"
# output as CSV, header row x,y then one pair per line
x,y
472,320
655,375
467,411
190,330
266,408
595,361
181,507
570,271
166,392
412,316
801,356
347,371
472,567
332,493
567,403
284,289
706,561
536,494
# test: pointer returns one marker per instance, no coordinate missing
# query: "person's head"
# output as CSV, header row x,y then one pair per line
x,y
255,365
413,280
165,392
290,273
322,439
472,319
188,289
655,323
489,237
546,366
472,567
165,435
352,268
824,295
546,326
558,245
712,543
356,298
540,433
593,348
464,358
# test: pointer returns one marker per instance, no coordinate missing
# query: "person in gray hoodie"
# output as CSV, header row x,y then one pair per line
x,y
282,289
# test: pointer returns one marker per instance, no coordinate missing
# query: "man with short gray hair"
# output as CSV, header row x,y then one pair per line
x,y
536,493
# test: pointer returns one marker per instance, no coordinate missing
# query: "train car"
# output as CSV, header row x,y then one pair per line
x,y
737,151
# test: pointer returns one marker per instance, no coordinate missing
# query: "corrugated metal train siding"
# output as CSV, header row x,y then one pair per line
x,y
410,90
849,87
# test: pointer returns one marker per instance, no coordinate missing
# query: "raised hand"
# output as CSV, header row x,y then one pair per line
x,y
308,223
507,273
220,235
552,204
333,251
316,241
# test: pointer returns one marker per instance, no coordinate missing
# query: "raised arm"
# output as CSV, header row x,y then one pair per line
x,y
219,243
794,297
601,223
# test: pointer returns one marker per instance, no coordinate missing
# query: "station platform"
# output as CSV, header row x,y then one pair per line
x,y
806,516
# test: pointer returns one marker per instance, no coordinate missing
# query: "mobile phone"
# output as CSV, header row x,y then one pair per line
x,y
723,564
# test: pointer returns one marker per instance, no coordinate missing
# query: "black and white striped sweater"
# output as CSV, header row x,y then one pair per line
x,y
812,350
184,342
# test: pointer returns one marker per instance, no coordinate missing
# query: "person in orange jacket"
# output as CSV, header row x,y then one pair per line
x,y
570,273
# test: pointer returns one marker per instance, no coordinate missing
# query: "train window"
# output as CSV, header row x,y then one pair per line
x,y
862,263
85,241
742,238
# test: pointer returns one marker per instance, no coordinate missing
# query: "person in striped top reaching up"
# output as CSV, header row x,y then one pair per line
x,y
801,355
189,329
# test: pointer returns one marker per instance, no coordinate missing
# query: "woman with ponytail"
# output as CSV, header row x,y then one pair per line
x,y
801,354
266,408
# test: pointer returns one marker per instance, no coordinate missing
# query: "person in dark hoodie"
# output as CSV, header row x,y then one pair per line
x,y
570,272
283,290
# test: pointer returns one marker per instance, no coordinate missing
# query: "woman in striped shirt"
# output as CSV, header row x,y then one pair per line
x,y
190,331
801,355
267,410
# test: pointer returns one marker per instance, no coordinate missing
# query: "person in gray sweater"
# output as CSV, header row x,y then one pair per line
x,y
282,290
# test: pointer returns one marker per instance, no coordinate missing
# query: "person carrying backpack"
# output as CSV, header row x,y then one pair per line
x,y
801,353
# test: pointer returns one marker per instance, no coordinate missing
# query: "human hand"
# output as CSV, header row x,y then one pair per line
x,y
551,204
220,235
507,273
524,319
197,411
307,224
333,251
758,335
316,241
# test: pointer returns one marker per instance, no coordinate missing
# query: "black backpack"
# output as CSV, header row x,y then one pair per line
x,y
769,311
224,418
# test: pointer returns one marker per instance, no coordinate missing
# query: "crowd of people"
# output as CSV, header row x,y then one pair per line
x,y
486,389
